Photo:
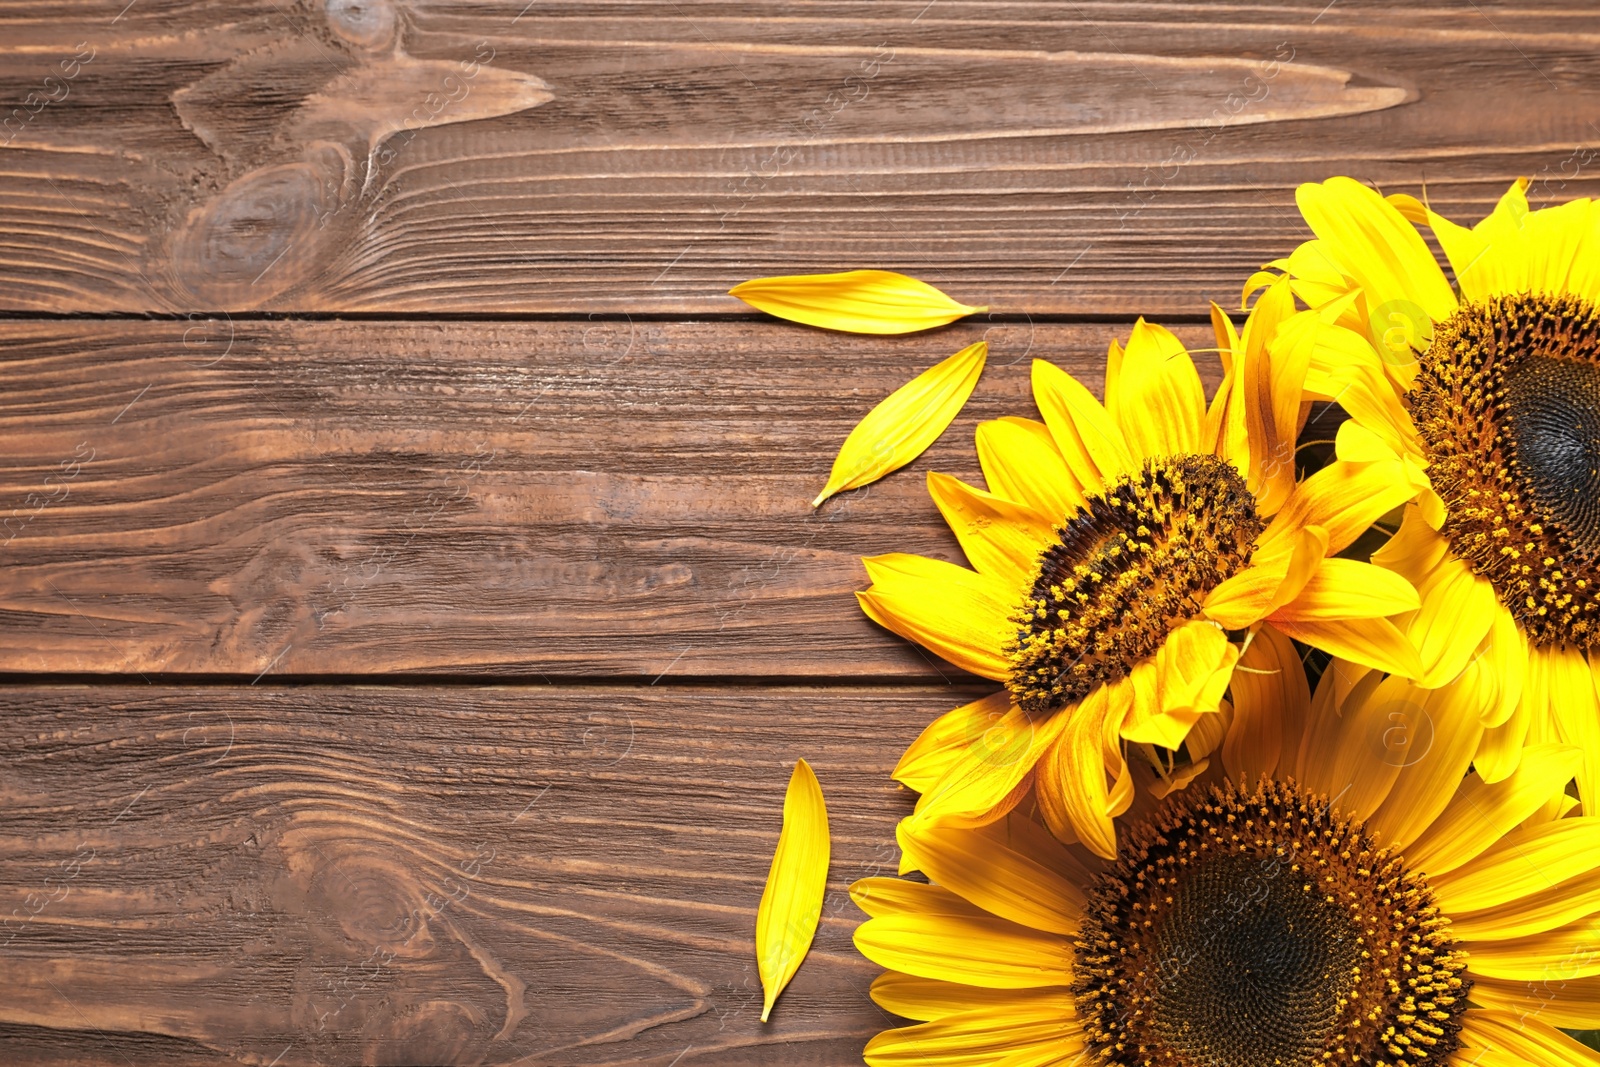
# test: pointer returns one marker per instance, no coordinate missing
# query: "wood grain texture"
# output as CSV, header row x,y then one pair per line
x,y
536,875
644,157
590,498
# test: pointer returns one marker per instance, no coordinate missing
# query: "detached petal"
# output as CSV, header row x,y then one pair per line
x,y
908,420
791,905
856,301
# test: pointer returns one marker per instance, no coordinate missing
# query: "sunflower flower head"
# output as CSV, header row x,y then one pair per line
x,y
1486,380
1340,895
1123,555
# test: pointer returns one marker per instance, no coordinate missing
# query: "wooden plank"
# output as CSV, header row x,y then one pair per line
x,y
537,875
1109,157
590,498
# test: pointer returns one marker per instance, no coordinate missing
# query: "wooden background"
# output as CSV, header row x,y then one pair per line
x,y
409,603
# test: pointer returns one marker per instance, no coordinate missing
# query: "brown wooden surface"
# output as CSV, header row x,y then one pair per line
x,y
409,604
643,157
535,875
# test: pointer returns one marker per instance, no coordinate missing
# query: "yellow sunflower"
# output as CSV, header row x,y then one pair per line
x,y
1361,899
1489,391
1122,556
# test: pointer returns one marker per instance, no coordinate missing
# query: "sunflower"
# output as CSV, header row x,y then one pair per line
x,y
1489,390
1360,899
1122,555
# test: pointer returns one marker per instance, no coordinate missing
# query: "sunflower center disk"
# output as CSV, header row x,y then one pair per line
x,y
1507,405
1256,929
1125,571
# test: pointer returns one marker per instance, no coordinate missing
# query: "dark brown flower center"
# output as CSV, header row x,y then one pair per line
x,y
1255,928
1127,570
1507,406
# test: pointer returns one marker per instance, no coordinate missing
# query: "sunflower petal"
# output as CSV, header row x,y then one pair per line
x,y
943,740
880,896
926,999
1090,441
977,865
1376,643
1020,1031
999,537
995,762
791,904
1157,398
1558,1000
1373,243
1524,863
1347,589
1434,747
1270,703
1071,776
906,422
1192,669
983,950
1496,1039
855,301
1344,498
959,614
1021,462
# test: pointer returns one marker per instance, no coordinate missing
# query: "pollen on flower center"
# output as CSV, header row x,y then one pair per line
x,y
1255,928
1125,571
1507,406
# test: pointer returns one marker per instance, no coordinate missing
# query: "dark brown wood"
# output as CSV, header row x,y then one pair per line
x,y
582,498
537,875
644,157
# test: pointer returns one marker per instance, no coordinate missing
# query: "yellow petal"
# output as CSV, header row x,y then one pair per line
x,y
945,738
926,999
1090,442
959,614
1524,863
1496,1039
977,865
908,420
791,904
856,301
1433,740
878,896
1376,643
984,951
1558,1000
1070,777
1021,462
1536,956
1458,609
993,764
1373,243
1272,370
1270,703
1275,578
1036,1028
1344,499
1347,589
1569,910
999,537
1157,399
1575,713
1354,755
1191,669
